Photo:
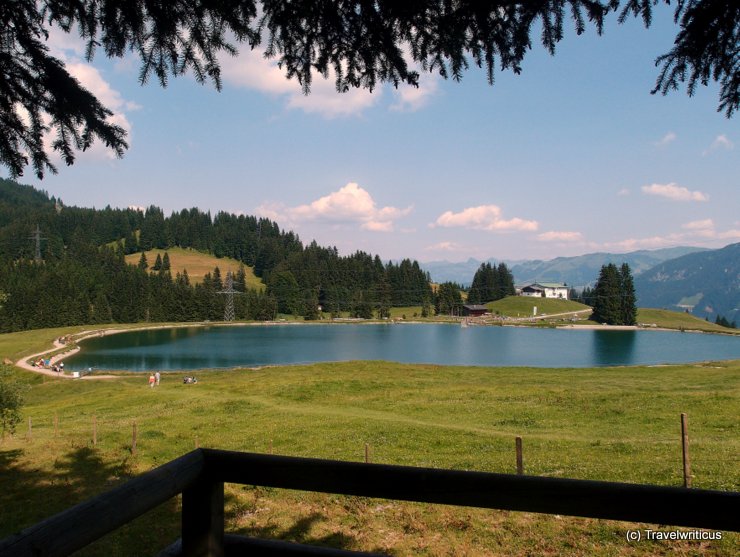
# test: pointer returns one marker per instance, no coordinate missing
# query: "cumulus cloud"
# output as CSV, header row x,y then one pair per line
x,y
705,224
444,246
484,217
411,99
350,204
721,142
252,70
668,138
695,232
674,192
555,236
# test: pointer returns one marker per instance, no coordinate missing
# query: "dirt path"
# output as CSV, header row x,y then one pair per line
x,y
23,362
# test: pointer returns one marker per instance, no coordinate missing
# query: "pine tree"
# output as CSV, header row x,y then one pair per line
x,y
166,262
628,297
143,265
157,263
607,297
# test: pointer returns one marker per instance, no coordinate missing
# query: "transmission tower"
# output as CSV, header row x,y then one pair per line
x,y
229,292
36,235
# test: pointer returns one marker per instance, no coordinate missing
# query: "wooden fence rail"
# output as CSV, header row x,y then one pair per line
x,y
201,474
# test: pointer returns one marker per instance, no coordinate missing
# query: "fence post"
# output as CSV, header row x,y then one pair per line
x,y
519,459
203,519
133,439
270,446
56,425
197,443
95,431
685,450
367,453
30,429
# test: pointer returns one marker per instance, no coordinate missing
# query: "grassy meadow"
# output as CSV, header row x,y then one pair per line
x,y
615,424
197,264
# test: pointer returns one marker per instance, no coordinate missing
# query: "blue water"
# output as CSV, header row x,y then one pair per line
x,y
191,348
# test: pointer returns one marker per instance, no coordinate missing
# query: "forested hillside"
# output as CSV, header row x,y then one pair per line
x,y
707,284
82,276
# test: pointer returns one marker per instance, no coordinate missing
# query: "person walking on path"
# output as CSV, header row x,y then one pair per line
x,y
157,377
151,380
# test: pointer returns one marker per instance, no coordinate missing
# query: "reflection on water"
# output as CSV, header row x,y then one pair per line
x,y
188,348
614,348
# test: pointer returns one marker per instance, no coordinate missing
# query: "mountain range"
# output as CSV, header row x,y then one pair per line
x,y
704,282
578,271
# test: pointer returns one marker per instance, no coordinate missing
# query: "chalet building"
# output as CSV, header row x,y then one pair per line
x,y
546,290
474,310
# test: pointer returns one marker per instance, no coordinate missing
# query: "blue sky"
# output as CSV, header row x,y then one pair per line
x,y
570,157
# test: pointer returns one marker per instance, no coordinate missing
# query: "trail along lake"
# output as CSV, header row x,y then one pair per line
x,y
208,347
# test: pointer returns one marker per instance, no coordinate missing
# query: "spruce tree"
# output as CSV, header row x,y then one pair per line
x,y
607,296
143,265
628,297
166,262
157,263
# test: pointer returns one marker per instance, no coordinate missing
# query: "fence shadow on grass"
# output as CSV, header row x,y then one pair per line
x,y
29,494
299,533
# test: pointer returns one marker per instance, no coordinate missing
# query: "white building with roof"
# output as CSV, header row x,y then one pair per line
x,y
546,290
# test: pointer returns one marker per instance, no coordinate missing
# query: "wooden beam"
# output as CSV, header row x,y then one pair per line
x,y
203,519
616,501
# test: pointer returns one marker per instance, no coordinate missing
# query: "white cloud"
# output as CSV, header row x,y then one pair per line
x,y
674,192
720,142
411,99
554,236
137,208
350,204
696,232
444,246
484,217
623,192
733,234
251,70
70,48
653,242
706,224
668,138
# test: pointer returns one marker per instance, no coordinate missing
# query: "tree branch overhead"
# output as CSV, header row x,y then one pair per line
x,y
365,43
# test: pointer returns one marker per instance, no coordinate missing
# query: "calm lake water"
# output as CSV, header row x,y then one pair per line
x,y
191,348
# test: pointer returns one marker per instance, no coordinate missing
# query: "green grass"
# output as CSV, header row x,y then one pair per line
x,y
522,306
679,320
197,264
616,424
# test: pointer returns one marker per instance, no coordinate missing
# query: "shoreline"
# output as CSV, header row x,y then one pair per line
x,y
84,335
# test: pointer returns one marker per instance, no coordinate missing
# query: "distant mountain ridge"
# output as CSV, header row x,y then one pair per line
x,y
578,271
706,283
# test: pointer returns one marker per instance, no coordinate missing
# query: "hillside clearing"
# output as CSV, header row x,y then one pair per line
x,y
197,264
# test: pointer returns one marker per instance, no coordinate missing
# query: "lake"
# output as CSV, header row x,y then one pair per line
x,y
191,348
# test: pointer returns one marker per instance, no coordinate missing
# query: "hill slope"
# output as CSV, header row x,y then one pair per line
x,y
197,264
706,284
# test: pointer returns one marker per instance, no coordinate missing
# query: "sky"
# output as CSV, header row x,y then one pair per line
x,y
572,156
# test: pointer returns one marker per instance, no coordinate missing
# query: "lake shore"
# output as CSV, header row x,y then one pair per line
x,y
58,357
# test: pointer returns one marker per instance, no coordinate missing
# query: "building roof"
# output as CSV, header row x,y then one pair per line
x,y
547,285
475,307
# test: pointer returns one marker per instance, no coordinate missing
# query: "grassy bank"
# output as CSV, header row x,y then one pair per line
x,y
617,424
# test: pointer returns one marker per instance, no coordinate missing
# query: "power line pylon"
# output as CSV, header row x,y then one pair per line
x,y
229,292
36,235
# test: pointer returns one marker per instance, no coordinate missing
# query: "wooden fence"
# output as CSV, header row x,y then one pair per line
x,y
200,476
